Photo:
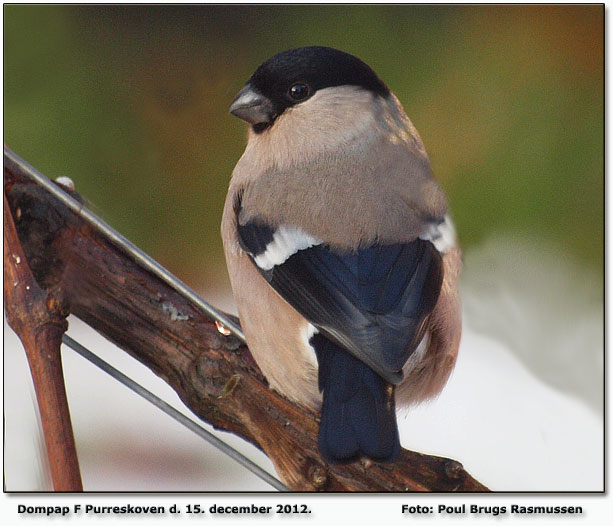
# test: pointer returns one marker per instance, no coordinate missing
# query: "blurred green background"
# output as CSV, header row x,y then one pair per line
x,y
131,103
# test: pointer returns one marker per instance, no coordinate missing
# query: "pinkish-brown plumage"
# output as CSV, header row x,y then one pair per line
x,y
347,169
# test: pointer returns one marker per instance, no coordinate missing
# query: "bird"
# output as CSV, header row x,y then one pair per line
x,y
342,254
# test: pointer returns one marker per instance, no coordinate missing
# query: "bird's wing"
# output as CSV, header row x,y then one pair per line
x,y
373,302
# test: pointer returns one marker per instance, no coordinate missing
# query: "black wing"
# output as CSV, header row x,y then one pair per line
x,y
373,302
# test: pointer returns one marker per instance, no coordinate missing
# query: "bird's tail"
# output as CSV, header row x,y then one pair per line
x,y
358,416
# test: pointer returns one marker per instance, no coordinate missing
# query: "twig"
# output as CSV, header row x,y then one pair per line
x,y
39,319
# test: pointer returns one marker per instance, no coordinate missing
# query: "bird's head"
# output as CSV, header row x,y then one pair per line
x,y
296,77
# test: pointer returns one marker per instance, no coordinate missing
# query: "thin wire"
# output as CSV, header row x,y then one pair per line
x,y
178,416
135,253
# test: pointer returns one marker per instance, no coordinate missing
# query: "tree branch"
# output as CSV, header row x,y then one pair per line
x,y
39,319
214,375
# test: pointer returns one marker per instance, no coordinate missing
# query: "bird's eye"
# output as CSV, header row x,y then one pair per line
x,y
299,91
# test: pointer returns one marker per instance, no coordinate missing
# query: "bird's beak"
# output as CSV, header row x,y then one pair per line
x,y
252,106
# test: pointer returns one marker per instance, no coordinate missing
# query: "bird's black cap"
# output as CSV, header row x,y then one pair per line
x,y
317,67
320,67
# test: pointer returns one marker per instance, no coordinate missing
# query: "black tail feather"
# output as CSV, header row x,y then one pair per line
x,y
358,415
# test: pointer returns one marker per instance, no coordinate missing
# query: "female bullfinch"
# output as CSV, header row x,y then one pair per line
x,y
341,252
